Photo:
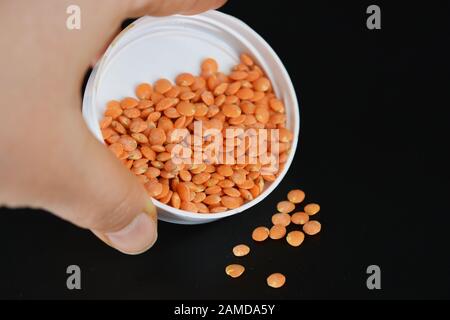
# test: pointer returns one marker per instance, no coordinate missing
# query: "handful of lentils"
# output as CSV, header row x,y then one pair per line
x,y
140,132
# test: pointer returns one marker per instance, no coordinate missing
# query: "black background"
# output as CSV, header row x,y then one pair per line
x,y
372,151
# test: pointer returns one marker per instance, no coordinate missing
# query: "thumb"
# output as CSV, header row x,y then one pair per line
x,y
95,191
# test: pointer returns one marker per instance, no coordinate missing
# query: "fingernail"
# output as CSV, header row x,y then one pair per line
x,y
137,237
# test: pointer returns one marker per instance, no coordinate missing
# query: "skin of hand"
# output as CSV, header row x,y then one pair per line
x,y
49,159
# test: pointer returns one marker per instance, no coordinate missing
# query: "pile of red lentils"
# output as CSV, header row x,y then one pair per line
x,y
280,221
139,131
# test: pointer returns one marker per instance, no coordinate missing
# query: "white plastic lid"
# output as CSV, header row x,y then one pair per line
x,y
162,47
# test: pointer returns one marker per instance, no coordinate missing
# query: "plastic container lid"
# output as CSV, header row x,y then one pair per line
x,y
162,47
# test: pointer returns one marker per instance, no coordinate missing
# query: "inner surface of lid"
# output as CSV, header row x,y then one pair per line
x,y
163,51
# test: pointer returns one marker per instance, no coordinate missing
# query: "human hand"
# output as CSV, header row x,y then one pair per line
x,y
49,158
